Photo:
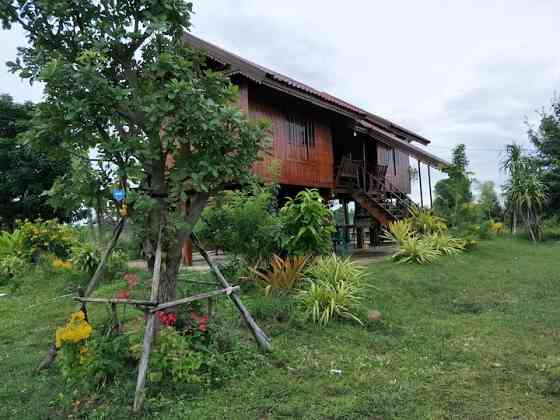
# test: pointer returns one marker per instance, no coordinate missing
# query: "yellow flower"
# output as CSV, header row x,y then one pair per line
x,y
77,316
76,330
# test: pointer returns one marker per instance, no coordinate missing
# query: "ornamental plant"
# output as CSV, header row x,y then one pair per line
x,y
47,236
334,289
307,225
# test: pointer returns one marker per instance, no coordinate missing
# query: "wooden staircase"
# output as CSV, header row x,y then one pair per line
x,y
373,191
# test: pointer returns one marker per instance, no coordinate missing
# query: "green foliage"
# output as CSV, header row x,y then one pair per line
x,y
13,244
307,225
417,250
546,138
95,362
285,273
119,78
173,359
488,201
524,189
334,290
11,266
399,231
425,222
244,224
25,171
445,244
85,257
455,191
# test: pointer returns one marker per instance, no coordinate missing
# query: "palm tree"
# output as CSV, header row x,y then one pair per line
x,y
525,191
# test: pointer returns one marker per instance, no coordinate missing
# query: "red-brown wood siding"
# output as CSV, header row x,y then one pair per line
x,y
398,175
296,165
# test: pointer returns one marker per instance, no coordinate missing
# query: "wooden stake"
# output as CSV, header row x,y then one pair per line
x,y
101,267
261,338
149,332
227,291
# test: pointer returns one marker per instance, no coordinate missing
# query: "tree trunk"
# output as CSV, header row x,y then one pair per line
x,y
173,243
100,222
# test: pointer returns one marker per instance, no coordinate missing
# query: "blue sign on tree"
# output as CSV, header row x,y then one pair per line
x,y
118,195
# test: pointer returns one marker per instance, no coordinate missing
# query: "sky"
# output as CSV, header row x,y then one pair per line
x,y
472,72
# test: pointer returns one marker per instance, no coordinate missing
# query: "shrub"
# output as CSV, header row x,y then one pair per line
x,y
12,244
446,244
425,222
334,290
46,237
244,224
85,257
307,225
285,274
399,231
11,266
497,228
418,250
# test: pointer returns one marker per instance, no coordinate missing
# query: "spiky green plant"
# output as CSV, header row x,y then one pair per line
x,y
426,222
335,288
445,243
417,250
11,244
399,231
85,257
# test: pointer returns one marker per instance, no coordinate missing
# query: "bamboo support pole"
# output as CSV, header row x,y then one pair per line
x,y
101,267
117,301
149,332
261,338
227,291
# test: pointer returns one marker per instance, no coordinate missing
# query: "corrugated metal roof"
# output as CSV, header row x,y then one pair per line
x,y
259,74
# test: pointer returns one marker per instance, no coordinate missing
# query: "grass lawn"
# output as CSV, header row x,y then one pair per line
x,y
475,336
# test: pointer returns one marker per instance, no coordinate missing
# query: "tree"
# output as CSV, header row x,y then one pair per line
x,y
546,138
455,191
26,173
119,79
525,190
489,202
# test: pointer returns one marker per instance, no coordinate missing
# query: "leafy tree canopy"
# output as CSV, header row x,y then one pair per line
x,y
119,78
489,202
455,191
546,138
26,173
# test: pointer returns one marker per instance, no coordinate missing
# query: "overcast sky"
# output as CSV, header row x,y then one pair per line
x,y
456,72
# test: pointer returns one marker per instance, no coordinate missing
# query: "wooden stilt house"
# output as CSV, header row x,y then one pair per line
x,y
323,142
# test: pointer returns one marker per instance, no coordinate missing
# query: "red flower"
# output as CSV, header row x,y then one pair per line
x,y
202,321
123,294
168,319
132,279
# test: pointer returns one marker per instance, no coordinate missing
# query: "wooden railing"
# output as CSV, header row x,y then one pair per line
x,y
353,174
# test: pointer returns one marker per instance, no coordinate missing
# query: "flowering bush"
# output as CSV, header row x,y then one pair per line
x,y
58,264
76,329
47,236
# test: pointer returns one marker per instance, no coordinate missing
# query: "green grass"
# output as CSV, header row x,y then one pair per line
x,y
474,336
